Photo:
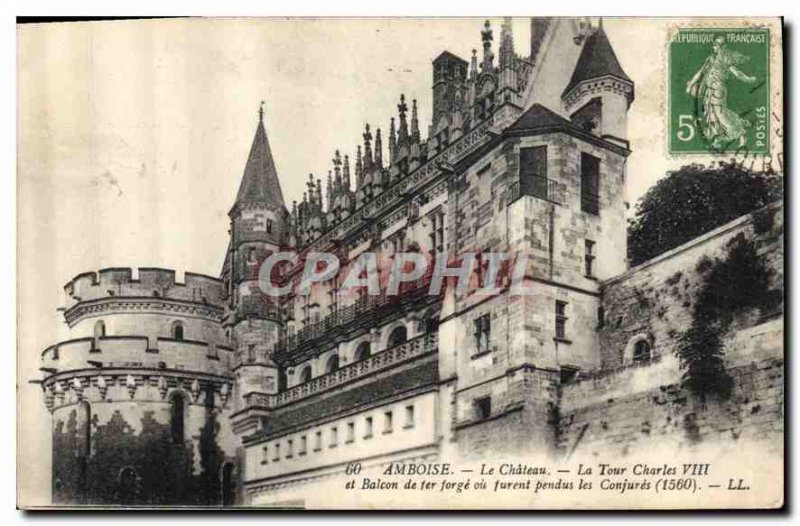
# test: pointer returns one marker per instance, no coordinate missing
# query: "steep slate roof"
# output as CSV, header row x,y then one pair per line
x,y
597,60
260,180
539,117
447,54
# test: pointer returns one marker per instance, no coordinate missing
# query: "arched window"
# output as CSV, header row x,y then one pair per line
x,y
228,488
99,329
177,417
305,374
362,351
333,364
177,330
641,352
397,336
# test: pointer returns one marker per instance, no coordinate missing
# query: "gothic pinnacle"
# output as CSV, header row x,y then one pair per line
x,y
506,44
367,149
329,191
359,167
378,149
402,132
473,65
392,141
414,122
346,174
486,36
337,170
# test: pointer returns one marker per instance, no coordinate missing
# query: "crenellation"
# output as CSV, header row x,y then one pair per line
x,y
151,283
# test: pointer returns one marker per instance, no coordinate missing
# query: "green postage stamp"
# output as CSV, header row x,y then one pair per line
x,y
719,91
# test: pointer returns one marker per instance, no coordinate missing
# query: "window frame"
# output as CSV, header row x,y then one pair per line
x,y
561,319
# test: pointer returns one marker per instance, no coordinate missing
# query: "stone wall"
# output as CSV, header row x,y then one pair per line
x,y
655,299
522,419
95,443
645,406
625,405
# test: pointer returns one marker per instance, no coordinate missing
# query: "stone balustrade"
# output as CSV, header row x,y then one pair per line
x,y
377,362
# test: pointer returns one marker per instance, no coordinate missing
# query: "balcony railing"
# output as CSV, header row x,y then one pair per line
x,y
377,362
368,309
540,187
590,203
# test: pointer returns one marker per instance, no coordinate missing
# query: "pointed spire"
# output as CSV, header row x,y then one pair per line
x,y
346,174
319,193
414,122
359,168
329,191
392,141
402,132
473,65
337,171
506,44
260,182
378,149
597,59
311,193
367,161
488,58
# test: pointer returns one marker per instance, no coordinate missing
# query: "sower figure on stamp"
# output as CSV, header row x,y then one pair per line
x,y
722,125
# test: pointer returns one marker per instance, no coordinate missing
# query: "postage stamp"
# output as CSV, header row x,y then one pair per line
x,y
719,91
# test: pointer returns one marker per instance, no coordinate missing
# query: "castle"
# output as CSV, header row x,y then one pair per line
x,y
204,392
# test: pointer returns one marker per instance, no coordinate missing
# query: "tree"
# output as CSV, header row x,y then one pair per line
x,y
693,200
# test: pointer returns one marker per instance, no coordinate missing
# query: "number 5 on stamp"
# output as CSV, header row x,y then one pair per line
x,y
719,91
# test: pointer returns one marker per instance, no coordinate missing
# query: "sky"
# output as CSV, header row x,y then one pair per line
x,y
133,135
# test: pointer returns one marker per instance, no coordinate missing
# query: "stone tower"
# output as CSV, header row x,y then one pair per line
x,y
599,93
259,225
139,393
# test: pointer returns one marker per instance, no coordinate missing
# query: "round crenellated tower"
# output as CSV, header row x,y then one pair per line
x,y
140,392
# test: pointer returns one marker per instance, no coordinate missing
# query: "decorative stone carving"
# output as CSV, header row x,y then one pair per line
x,y
77,386
130,383
48,398
224,394
102,387
195,391
162,387
59,392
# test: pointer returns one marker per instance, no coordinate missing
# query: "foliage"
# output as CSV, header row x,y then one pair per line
x,y
693,200
736,284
